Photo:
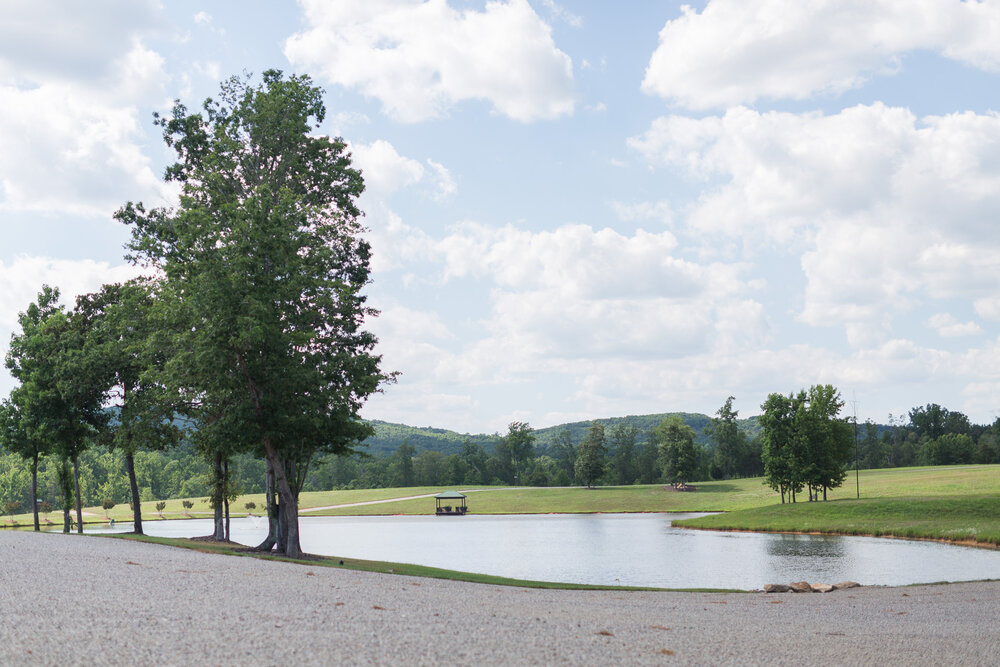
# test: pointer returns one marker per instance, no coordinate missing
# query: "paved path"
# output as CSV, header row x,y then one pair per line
x,y
80,600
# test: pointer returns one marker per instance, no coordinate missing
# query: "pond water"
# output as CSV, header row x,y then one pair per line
x,y
625,549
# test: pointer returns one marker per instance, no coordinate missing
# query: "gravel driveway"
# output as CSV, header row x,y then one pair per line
x,y
77,600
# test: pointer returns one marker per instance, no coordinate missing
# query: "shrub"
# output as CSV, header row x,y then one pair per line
x,y
11,507
251,506
107,505
160,506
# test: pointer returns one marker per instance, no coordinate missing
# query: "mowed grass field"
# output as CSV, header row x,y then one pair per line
x,y
955,518
952,502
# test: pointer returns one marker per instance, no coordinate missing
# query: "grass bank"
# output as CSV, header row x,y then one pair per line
x,y
969,519
230,549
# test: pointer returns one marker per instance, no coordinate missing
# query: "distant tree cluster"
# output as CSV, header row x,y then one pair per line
x,y
929,435
806,445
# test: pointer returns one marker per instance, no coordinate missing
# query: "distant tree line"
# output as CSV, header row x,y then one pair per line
x,y
619,454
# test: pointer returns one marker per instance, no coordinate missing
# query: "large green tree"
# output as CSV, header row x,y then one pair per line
x,y
519,446
729,440
265,266
624,458
591,457
678,452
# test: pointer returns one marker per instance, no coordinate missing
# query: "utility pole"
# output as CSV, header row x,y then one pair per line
x,y
857,451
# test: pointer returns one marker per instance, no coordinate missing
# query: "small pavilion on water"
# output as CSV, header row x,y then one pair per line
x,y
455,503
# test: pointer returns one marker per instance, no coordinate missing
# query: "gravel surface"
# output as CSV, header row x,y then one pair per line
x,y
77,600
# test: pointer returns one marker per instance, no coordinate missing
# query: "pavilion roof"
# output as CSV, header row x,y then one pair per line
x,y
447,495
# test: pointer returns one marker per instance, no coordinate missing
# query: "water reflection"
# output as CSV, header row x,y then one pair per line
x,y
806,546
628,549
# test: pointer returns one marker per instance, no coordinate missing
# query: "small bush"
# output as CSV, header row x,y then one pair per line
x,y
45,507
251,506
160,506
108,504
187,504
11,507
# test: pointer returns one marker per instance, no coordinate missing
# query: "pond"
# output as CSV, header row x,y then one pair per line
x,y
616,549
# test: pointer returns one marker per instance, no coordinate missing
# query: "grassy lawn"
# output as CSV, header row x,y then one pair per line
x,y
974,518
952,502
648,498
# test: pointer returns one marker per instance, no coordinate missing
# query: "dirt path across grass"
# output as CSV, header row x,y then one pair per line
x,y
378,502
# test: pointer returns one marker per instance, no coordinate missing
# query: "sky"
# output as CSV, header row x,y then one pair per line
x,y
578,209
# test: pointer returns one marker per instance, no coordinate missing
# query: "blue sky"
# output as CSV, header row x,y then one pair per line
x,y
577,211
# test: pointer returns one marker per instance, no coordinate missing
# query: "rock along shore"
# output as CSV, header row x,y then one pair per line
x,y
78,600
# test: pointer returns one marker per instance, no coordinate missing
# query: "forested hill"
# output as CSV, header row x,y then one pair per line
x,y
388,436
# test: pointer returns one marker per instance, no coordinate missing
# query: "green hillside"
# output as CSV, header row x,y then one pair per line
x,y
389,436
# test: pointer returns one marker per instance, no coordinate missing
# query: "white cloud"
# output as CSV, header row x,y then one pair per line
x,y
385,171
883,209
948,327
659,211
575,293
988,308
79,43
559,12
71,78
66,150
446,186
383,168
739,51
421,58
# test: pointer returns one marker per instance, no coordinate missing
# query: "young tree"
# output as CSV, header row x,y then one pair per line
x,y
520,443
402,465
729,440
624,461
16,438
590,458
678,453
564,454
476,462
59,399
265,266
778,434
121,323
829,439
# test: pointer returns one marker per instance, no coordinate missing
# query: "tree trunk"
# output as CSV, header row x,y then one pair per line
x,y
824,494
272,509
76,485
134,486
66,488
287,507
225,496
34,489
282,542
218,492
